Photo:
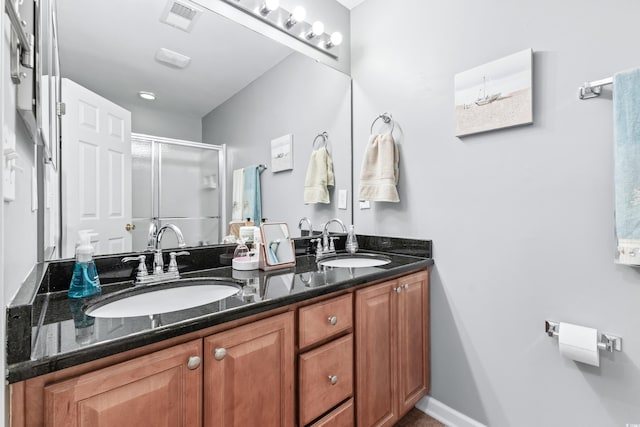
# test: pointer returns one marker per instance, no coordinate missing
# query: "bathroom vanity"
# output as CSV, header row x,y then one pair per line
x,y
331,346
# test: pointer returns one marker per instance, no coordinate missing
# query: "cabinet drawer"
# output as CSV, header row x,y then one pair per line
x,y
342,416
325,319
325,377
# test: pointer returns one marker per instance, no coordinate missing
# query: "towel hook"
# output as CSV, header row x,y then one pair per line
x,y
386,118
324,135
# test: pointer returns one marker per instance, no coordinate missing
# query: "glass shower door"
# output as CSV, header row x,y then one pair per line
x,y
177,182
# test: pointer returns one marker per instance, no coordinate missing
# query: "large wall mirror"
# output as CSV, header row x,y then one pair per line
x,y
223,93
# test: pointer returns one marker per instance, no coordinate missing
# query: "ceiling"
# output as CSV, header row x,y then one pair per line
x,y
110,46
350,4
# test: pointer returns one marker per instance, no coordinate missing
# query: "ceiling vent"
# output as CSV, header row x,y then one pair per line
x,y
174,59
180,14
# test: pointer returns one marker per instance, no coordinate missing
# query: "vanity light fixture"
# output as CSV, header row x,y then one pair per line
x,y
291,22
298,15
269,6
317,28
149,96
334,40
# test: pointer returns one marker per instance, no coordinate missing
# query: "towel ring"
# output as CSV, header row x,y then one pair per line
x,y
324,136
386,118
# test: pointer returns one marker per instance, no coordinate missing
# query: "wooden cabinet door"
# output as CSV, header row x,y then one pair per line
x,y
155,390
376,355
249,375
413,340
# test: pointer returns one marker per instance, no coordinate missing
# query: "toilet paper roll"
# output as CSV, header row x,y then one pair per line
x,y
579,343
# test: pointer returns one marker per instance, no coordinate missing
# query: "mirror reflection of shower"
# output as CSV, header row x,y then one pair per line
x,y
179,182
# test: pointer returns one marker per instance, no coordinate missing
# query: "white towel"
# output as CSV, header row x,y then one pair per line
x,y
319,177
238,189
379,173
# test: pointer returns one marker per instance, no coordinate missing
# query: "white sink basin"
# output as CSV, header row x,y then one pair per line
x,y
162,298
354,260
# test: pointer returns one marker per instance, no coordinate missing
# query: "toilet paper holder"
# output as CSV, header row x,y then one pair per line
x,y
607,342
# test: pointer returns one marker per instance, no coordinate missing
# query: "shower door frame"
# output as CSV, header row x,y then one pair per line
x,y
156,153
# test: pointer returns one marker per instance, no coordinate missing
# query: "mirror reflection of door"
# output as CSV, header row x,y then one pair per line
x,y
96,180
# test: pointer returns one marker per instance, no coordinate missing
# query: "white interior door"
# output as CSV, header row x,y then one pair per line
x,y
96,177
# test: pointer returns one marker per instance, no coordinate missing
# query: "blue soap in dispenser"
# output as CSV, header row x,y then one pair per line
x,y
84,282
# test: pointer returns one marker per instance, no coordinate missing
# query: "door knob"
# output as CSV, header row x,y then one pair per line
x,y
129,227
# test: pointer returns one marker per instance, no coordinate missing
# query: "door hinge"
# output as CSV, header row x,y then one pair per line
x,y
61,108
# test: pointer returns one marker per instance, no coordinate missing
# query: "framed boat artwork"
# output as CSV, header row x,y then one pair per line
x,y
495,95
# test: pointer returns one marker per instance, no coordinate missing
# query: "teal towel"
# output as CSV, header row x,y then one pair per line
x,y
626,124
252,199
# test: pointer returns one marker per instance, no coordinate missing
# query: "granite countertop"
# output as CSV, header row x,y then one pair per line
x,y
60,335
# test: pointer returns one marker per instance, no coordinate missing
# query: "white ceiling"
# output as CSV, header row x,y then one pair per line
x,y
350,4
109,47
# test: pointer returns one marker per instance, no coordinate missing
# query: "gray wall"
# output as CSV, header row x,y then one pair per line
x,y
168,124
299,97
521,219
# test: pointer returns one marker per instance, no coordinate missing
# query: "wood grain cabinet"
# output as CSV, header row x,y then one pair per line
x,y
160,389
249,375
246,375
325,369
392,349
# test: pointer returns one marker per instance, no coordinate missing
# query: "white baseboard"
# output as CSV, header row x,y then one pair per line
x,y
445,414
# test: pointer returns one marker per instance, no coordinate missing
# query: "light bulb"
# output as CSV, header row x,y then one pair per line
x,y
316,29
298,14
334,40
269,6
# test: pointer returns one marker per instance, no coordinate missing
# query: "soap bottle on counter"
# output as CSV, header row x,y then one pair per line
x,y
352,242
85,281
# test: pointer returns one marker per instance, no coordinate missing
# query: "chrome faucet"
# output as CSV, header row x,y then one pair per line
x,y
159,274
158,263
328,246
151,235
308,221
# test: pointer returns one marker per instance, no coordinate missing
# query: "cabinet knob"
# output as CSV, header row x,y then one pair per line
x,y
219,353
333,379
193,363
333,320
398,289
405,286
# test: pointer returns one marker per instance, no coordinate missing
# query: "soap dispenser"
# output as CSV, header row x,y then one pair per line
x,y
352,242
85,281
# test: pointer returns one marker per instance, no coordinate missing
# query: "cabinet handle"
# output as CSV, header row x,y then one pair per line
x,y
193,363
398,289
333,379
405,286
219,353
333,320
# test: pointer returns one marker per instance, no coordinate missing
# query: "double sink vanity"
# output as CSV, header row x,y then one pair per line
x,y
308,345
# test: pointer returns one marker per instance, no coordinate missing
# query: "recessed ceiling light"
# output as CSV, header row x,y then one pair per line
x,y
147,95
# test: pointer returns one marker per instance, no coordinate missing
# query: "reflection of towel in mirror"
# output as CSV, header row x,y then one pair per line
x,y
238,189
626,126
319,177
252,199
379,173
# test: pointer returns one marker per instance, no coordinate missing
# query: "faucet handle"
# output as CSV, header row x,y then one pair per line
x,y
332,246
173,264
142,266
